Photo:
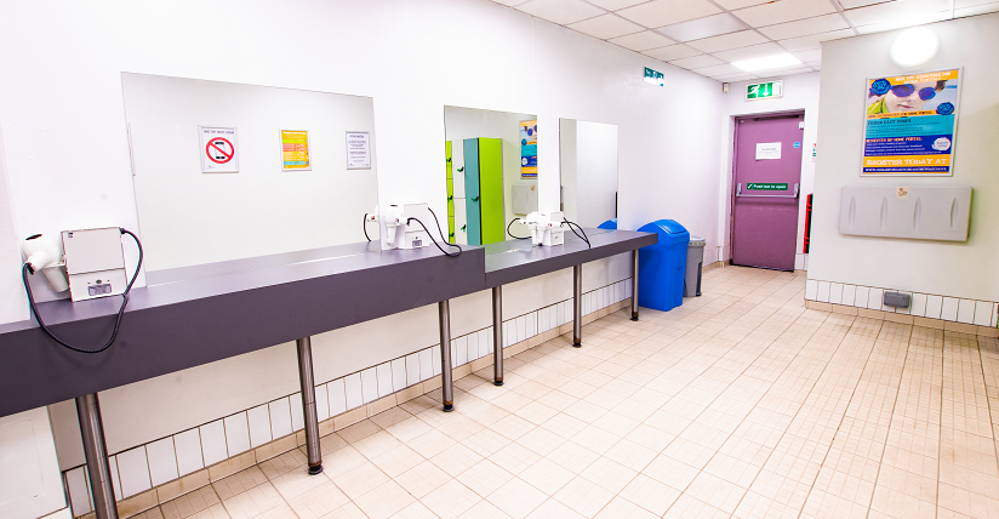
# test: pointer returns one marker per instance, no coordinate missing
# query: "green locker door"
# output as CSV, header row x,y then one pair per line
x,y
472,202
491,190
450,192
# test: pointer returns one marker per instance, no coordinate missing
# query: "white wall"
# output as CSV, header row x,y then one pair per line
x,y
801,93
67,156
964,270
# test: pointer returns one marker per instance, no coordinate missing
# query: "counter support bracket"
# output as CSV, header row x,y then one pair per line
x,y
447,382
307,379
498,335
96,453
634,285
577,306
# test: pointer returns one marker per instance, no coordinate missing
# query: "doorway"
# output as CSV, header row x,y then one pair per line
x,y
766,180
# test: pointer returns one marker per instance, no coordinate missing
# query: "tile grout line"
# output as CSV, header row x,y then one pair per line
x,y
995,441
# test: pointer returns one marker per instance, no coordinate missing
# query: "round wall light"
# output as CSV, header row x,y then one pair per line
x,y
915,46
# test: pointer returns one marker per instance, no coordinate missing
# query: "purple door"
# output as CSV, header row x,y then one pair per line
x,y
767,173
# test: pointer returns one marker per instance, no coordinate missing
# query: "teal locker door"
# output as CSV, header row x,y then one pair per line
x,y
473,204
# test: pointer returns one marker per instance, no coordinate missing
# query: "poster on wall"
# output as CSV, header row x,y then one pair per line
x,y
358,151
295,150
529,149
911,124
218,150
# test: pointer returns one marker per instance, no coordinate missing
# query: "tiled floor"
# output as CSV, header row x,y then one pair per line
x,y
741,403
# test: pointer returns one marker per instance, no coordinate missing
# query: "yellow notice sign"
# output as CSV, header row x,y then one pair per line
x,y
295,150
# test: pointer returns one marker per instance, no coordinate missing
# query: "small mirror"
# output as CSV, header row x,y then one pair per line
x,y
588,155
491,165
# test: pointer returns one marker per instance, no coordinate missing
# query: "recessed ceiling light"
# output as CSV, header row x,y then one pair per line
x,y
767,63
914,46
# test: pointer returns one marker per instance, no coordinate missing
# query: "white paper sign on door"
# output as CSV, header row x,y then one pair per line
x,y
767,150
218,150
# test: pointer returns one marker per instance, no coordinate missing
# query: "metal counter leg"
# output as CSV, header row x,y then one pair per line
x,y
96,453
577,306
634,285
307,380
447,384
498,336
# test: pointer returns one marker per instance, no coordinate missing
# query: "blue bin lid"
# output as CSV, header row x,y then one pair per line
x,y
609,224
669,231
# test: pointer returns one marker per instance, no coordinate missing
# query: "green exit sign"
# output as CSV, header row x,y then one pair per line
x,y
654,77
758,186
765,90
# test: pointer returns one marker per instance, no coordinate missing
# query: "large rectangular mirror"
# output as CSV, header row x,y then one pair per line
x,y
226,171
491,167
588,157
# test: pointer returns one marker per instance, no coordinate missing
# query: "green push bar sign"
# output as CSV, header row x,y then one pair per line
x,y
757,186
765,90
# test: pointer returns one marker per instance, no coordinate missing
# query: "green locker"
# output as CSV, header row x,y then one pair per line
x,y
484,190
450,192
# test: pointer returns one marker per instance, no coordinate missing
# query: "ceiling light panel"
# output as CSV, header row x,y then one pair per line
x,y
728,41
768,63
606,26
703,27
614,5
814,41
895,11
696,62
779,73
808,26
747,53
784,11
560,11
667,12
642,41
672,52
724,69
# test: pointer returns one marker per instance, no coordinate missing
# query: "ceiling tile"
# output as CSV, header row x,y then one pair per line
x,y
728,41
809,55
606,26
756,51
614,5
731,78
719,70
976,10
732,5
814,64
782,11
510,3
672,52
642,41
696,62
895,11
560,11
824,23
777,74
850,4
814,41
902,22
703,27
665,12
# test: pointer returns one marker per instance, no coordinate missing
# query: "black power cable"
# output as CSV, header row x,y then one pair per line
x,y
364,225
26,269
583,237
449,244
514,236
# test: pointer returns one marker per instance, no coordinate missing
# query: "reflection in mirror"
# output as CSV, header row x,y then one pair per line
x,y
226,171
588,155
491,165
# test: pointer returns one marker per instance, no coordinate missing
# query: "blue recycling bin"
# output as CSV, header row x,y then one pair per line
x,y
661,266
609,224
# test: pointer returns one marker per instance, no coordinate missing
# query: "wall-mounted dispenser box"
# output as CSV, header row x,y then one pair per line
x,y
914,212
94,262
525,198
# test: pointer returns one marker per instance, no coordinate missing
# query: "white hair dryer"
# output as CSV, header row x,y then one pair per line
x,y
42,253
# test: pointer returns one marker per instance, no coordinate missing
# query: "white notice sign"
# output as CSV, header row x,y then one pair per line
x,y
218,150
358,151
767,150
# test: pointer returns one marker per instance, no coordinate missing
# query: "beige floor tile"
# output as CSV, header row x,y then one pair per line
x,y
319,501
422,479
384,500
450,500
517,498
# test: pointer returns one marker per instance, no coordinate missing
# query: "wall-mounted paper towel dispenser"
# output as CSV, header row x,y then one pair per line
x,y
914,212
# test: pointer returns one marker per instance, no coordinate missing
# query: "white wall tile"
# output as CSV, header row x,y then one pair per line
x,y
369,385
628,287
472,346
427,364
934,304
983,313
806,262
917,305
874,299
995,315
435,359
862,294
338,396
532,325
811,289
849,295
259,419
509,333
188,447
237,435
836,293
948,312
352,389
280,417
413,369
966,311
822,292
399,374
799,261
485,342
461,351
162,461
79,491
115,480
560,312
521,328
297,411
213,448
383,372
322,404
133,470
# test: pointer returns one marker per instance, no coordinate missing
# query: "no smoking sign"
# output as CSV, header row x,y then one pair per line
x,y
218,150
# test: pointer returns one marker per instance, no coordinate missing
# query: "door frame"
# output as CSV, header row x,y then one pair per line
x,y
783,114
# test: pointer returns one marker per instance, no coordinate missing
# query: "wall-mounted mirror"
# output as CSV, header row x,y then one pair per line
x,y
225,171
588,157
491,167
